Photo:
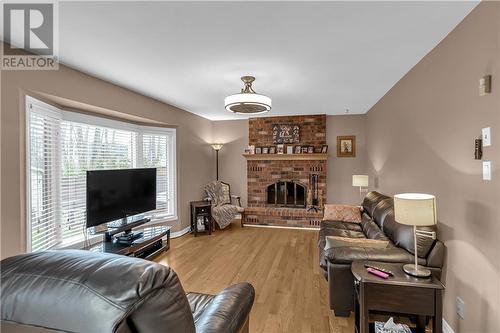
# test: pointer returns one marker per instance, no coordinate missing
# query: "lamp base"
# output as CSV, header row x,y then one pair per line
x,y
420,272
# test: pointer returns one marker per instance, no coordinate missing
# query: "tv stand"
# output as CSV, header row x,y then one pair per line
x,y
123,226
148,245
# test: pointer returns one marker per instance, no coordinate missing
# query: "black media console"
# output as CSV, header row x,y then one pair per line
x,y
148,243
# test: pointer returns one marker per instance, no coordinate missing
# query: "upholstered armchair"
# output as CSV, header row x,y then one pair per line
x,y
83,291
225,206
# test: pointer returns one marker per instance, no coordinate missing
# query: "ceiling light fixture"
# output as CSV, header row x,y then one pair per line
x,y
248,101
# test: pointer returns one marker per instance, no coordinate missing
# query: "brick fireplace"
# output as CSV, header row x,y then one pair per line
x,y
281,188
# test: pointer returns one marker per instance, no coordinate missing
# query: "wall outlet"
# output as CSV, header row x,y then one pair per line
x,y
486,136
486,170
460,307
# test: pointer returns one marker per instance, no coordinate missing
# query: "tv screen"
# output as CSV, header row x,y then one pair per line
x,y
117,194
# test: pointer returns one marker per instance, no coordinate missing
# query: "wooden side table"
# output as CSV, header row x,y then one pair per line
x,y
400,294
201,209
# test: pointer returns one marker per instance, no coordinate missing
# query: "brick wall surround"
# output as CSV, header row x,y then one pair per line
x,y
312,129
260,174
263,173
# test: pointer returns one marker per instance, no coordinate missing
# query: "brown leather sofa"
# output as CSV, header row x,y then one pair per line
x,y
81,291
377,223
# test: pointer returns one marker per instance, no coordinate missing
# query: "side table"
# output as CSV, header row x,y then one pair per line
x,y
400,294
201,210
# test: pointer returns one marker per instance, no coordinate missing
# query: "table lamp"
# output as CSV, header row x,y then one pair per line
x,y
416,209
360,181
217,147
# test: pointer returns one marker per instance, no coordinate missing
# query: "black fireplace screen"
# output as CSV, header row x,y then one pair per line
x,y
286,193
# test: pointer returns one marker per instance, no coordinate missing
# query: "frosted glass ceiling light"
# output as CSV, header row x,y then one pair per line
x,y
248,101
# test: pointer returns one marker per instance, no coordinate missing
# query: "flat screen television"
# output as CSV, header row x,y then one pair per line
x,y
118,194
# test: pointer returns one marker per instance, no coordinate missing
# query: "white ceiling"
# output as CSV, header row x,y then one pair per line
x,y
309,58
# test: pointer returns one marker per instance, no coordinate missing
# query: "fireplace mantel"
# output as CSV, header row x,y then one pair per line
x,y
286,157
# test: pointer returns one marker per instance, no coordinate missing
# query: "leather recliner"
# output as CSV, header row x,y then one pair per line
x,y
377,222
81,291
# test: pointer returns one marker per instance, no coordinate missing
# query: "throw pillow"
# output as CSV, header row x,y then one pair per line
x,y
345,213
337,241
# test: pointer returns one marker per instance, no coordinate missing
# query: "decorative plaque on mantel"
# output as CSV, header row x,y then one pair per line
x,y
286,133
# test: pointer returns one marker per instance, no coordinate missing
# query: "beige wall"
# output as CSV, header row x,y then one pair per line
x,y
194,155
341,169
232,165
420,138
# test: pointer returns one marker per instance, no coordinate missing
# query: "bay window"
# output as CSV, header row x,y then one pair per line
x,y
61,146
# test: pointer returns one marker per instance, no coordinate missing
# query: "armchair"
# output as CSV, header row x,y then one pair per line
x,y
82,291
225,206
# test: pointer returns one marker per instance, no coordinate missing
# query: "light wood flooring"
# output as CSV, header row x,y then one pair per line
x,y
281,264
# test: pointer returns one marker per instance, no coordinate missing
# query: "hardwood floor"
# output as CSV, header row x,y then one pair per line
x,y
281,264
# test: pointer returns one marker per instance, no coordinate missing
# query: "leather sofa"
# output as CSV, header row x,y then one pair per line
x,y
81,291
377,222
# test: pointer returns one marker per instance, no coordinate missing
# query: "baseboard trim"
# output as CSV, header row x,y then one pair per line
x,y
279,227
180,232
446,327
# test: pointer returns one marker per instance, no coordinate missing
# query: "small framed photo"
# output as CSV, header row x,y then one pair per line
x,y
324,149
303,149
289,149
346,146
258,150
298,150
272,150
280,149
265,150
251,149
310,150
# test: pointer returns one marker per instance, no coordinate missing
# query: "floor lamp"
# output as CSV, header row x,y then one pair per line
x,y
217,147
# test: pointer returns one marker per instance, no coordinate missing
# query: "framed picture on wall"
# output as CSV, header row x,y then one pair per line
x,y
324,149
298,150
258,150
280,149
265,150
289,149
304,149
346,146
272,150
285,133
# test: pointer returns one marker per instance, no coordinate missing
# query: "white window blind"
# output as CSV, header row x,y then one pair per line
x,y
87,147
62,146
155,154
43,174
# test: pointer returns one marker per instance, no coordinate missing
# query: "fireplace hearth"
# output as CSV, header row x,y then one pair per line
x,y
287,194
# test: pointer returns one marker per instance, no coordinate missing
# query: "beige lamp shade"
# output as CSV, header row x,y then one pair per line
x,y
360,180
416,209
216,146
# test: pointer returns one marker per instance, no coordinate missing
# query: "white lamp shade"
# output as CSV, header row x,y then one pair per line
x,y
360,180
415,209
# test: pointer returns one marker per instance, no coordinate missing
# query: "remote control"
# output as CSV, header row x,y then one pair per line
x,y
377,273
380,269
